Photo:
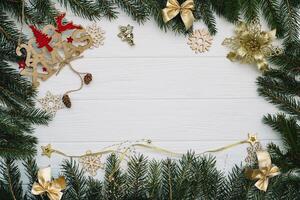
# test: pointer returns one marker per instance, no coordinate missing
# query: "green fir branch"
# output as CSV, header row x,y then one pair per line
x,y
108,9
84,8
135,8
11,179
76,181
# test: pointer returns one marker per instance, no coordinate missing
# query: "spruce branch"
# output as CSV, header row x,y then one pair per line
x,y
135,8
84,8
290,19
204,11
108,9
250,9
114,183
11,179
136,178
77,188
288,129
270,10
229,9
94,189
284,102
153,179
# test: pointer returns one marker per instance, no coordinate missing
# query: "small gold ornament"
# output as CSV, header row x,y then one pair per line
x,y
91,162
46,185
200,41
252,45
97,34
251,158
126,34
51,103
252,139
264,173
173,8
47,150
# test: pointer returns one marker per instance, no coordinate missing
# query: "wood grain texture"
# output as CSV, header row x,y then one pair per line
x,y
160,90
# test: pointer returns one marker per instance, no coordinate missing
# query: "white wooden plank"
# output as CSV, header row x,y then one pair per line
x,y
168,120
148,78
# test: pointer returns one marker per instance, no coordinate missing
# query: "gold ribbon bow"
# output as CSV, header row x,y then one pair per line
x,y
266,170
52,188
173,8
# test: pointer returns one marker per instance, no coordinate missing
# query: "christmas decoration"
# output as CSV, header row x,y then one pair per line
x,y
61,27
66,100
173,8
91,162
58,52
46,185
252,45
264,173
200,41
42,39
47,150
22,64
126,34
251,158
279,86
88,78
97,34
51,103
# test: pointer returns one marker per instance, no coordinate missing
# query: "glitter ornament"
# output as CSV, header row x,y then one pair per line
x,y
51,103
200,41
126,34
91,163
252,45
97,35
251,158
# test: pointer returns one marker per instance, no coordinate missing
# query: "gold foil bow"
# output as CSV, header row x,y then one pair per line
x,y
173,8
46,185
266,170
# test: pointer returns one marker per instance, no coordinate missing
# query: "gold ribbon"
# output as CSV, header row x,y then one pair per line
x,y
173,8
266,170
46,185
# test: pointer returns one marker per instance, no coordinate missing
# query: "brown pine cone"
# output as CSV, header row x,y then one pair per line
x,y
67,101
88,78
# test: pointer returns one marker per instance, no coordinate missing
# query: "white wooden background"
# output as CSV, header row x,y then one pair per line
x,y
159,90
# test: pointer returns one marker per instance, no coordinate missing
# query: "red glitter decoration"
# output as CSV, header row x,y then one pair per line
x,y
22,64
41,38
70,39
63,27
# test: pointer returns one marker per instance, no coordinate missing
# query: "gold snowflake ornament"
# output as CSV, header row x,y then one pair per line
x,y
91,163
51,103
252,45
97,35
200,41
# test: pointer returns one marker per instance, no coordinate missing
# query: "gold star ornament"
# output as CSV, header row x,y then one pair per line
x,y
251,45
47,150
252,139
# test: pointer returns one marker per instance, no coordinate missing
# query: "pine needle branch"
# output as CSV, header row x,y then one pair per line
x,y
77,188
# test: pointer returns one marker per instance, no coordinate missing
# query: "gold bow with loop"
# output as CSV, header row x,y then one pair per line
x,y
46,185
266,170
173,8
